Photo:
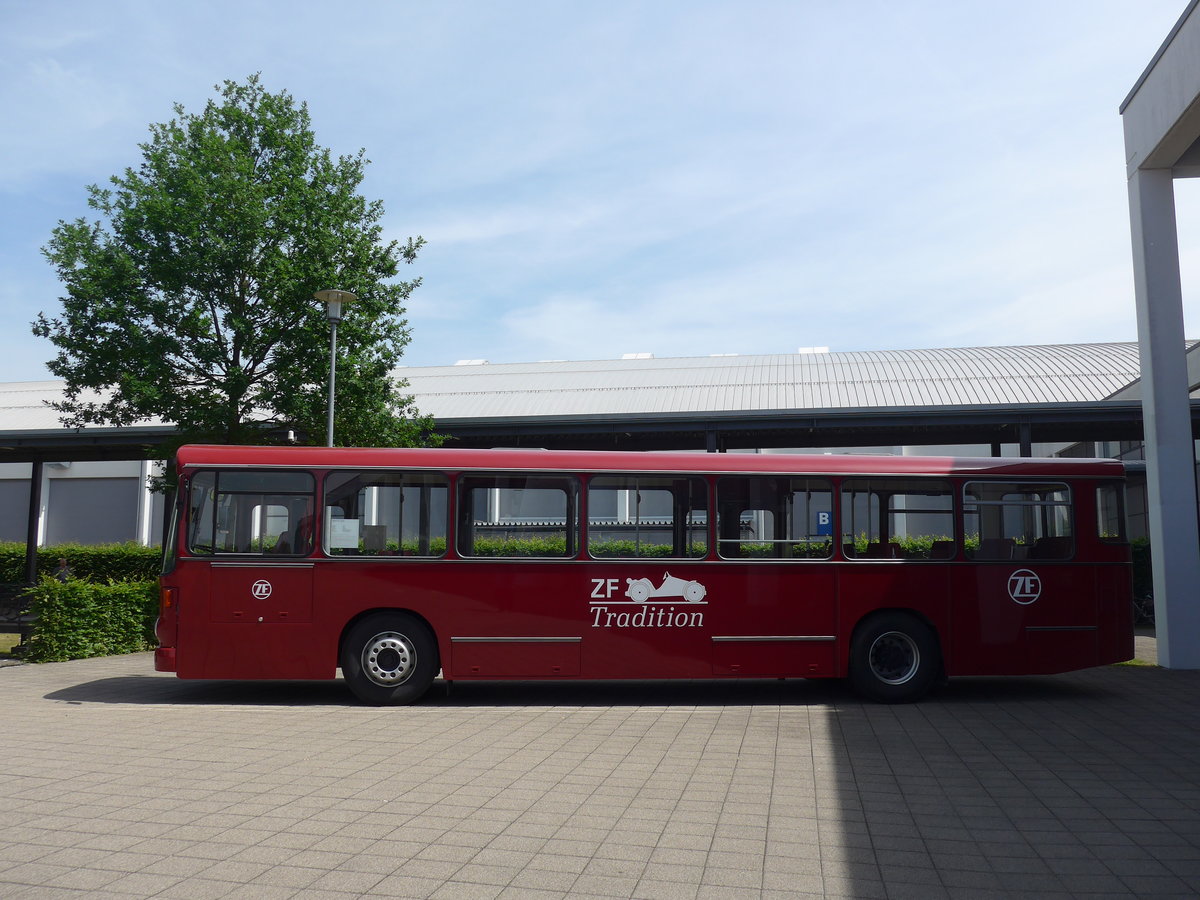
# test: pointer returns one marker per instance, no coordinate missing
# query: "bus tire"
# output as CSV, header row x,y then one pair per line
x,y
389,659
894,658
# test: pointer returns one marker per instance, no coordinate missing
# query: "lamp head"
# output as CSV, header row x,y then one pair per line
x,y
333,301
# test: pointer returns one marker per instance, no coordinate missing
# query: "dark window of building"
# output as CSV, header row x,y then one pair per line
x,y
92,510
14,509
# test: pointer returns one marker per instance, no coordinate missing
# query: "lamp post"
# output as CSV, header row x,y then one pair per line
x,y
333,301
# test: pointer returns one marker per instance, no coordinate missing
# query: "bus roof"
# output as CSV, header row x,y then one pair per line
x,y
452,460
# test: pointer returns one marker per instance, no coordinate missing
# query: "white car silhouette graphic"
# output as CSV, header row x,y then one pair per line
x,y
642,589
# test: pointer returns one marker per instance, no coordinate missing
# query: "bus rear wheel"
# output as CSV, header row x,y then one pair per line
x,y
389,659
894,658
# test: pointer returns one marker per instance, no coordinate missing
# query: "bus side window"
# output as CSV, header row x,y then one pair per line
x,y
647,516
373,513
1017,520
251,512
898,518
774,517
519,516
1110,513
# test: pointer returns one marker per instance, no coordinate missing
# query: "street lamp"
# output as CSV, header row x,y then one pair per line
x,y
333,301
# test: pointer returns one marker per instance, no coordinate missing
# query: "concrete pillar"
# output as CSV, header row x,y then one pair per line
x,y
145,514
1170,463
44,506
1025,439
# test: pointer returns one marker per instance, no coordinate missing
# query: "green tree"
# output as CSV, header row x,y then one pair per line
x,y
191,301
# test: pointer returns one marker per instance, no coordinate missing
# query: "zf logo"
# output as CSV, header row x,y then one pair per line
x,y
261,590
1024,586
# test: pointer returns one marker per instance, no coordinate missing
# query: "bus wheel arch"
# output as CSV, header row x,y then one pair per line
x,y
895,656
388,657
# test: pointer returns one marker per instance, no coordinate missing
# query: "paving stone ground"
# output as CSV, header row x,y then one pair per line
x,y
116,781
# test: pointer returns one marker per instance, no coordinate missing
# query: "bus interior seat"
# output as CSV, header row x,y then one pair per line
x,y
1051,548
995,548
942,550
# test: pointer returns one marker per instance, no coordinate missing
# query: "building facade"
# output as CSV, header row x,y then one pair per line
x,y
1078,400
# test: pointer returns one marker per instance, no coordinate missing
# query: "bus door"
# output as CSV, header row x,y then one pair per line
x,y
256,528
774,606
1024,607
515,617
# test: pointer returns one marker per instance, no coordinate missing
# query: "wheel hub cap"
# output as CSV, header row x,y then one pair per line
x,y
389,659
894,658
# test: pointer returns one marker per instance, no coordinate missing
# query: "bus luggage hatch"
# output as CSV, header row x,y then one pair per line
x,y
268,593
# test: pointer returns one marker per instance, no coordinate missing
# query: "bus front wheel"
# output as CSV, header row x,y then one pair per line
x,y
389,660
894,658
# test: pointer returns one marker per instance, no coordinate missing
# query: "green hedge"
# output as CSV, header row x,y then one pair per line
x,y
78,619
553,545
627,549
1143,577
99,562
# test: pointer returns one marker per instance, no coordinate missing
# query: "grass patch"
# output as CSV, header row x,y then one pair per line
x,y
1136,662
7,642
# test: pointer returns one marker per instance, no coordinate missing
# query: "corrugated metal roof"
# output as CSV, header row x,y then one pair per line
x,y
1064,373
973,376
24,405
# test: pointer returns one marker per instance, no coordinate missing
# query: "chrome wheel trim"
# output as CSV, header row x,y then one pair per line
x,y
389,659
894,657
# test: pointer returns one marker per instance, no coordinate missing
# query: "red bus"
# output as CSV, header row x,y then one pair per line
x,y
397,564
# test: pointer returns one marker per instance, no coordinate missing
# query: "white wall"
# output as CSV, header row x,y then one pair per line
x,y
87,502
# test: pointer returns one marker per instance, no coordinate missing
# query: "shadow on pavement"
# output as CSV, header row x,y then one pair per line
x,y
148,690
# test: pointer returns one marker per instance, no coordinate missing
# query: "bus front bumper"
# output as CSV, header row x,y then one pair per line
x,y
164,659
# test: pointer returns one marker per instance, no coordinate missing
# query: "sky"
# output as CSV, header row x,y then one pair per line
x,y
675,177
